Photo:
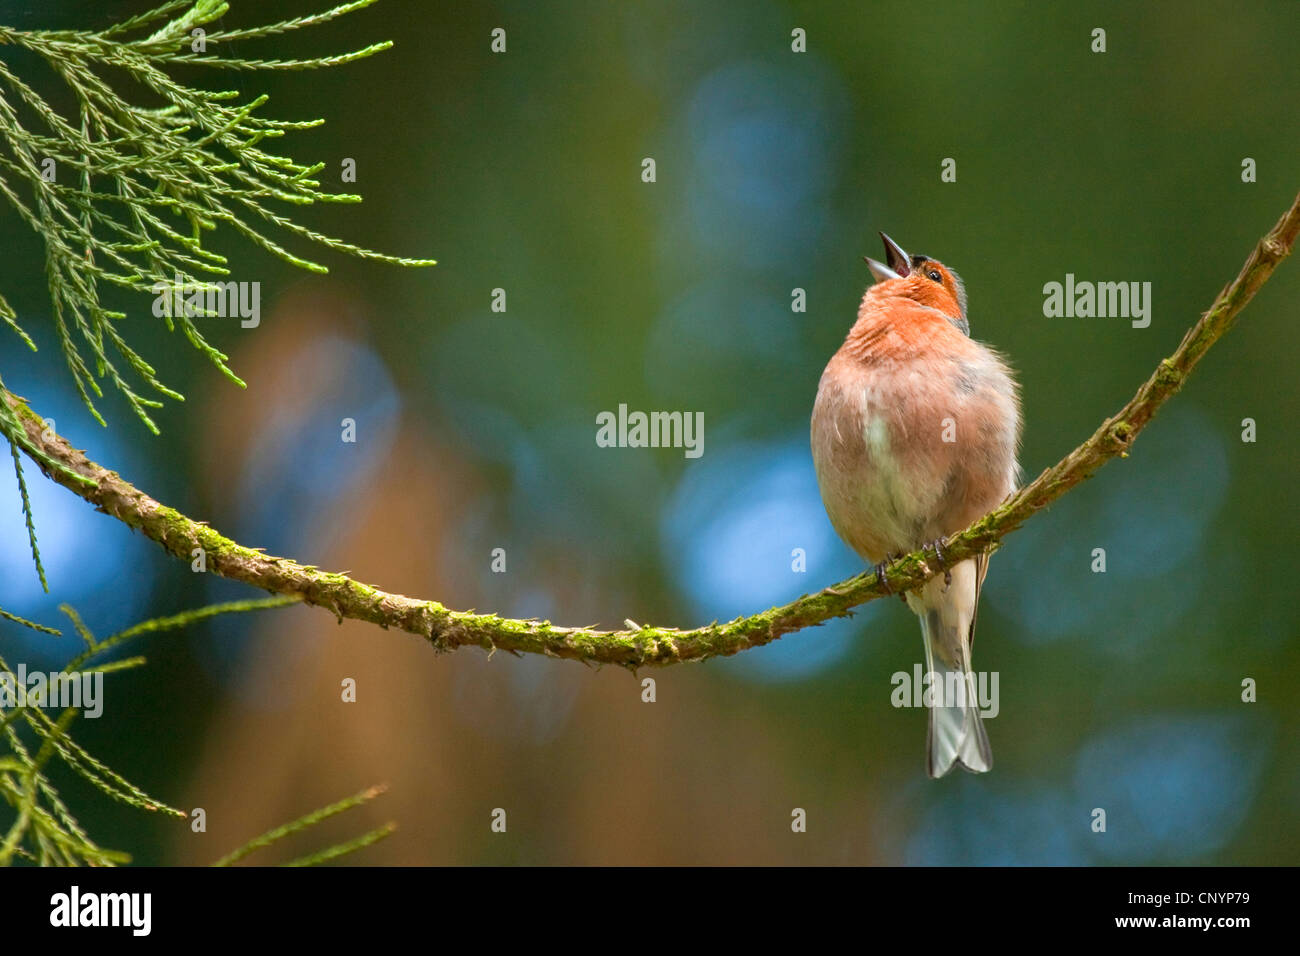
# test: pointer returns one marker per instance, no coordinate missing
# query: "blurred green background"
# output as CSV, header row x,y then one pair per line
x,y
775,169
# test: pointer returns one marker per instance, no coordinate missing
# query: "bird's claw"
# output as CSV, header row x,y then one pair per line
x,y
937,546
883,578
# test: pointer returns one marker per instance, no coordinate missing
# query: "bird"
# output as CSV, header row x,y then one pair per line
x,y
915,434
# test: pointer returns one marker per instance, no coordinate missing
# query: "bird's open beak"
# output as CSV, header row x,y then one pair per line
x,y
879,269
895,257
896,264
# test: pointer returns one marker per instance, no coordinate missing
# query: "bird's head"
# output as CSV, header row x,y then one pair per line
x,y
921,279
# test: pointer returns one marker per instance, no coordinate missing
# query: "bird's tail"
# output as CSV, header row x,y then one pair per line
x,y
956,735
956,731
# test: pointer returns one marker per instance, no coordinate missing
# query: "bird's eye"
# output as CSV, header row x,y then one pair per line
x,y
934,275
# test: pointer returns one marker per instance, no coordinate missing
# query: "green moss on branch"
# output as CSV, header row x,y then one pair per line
x,y
640,646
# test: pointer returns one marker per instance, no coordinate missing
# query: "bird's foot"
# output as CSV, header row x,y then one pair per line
x,y
883,578
937,546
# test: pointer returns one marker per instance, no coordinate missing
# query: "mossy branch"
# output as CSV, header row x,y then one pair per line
x,y
638,645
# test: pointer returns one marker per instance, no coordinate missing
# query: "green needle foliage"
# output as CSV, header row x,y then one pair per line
x,y
310,820
123,192
43,830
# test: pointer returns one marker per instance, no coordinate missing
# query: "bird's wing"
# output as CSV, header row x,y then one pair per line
x,y
981,569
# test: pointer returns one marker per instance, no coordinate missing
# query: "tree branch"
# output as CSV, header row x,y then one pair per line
x,y
447,629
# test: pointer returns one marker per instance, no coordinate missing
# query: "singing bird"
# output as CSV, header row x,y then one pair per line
x,y
914,435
